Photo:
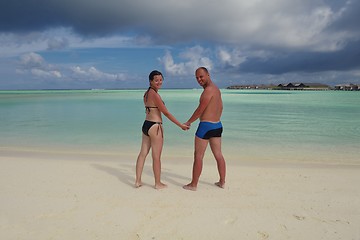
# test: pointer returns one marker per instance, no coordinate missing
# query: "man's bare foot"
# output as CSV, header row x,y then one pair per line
x,y
189,187
160,186
220,185
138,184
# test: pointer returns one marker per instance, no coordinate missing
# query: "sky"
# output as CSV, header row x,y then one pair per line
x,y
91,44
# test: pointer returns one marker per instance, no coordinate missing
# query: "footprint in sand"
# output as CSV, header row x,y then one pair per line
x,y
300,218
264,235
231,221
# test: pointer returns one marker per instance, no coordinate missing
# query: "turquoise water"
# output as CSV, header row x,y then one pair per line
x,y
292,126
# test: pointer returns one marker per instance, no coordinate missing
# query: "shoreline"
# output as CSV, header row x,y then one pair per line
x,y
169,154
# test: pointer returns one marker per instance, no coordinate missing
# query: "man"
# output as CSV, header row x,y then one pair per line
x,y
209,130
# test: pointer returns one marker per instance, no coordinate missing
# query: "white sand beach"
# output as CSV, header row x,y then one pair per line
x,y
69,196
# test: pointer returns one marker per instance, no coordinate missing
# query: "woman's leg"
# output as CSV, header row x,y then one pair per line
x,y
145,147
157,141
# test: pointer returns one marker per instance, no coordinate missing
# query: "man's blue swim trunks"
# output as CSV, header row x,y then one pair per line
x,y
207,130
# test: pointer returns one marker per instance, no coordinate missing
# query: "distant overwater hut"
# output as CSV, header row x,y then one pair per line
x,y
347,87
291,86
303,86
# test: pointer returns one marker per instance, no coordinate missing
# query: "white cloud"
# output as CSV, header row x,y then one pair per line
x,y
36,65
45,74
232,57
31,60
171,67
193,58
57,43
93,74
16,44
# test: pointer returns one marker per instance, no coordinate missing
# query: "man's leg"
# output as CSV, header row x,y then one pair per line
x,y
215,145
200,148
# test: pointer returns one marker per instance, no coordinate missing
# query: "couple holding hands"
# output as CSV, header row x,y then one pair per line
x,y
209,130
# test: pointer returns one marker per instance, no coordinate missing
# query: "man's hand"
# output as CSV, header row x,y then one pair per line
x,y
187,124
185,127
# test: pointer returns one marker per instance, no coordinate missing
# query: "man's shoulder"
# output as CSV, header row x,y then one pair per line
x,y
213,89
208,90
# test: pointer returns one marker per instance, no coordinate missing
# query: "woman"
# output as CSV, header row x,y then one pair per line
x,y
152,129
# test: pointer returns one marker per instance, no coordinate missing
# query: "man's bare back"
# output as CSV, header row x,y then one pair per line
x,y
213,111
210,106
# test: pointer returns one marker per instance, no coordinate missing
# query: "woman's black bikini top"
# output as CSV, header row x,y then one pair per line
x,y
147,108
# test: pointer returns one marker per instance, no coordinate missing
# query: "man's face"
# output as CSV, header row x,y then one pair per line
x,y
202,77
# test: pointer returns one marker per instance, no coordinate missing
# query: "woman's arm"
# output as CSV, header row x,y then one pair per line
x,y
162,108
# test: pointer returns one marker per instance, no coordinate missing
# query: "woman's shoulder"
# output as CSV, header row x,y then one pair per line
x,y
154,94
153,97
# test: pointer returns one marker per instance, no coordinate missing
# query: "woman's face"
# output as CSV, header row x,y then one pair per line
x,y
156,82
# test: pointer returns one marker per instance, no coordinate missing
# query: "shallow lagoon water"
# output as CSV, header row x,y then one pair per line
x,y
259,125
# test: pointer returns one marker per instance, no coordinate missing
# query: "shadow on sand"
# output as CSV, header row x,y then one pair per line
x,y
126,174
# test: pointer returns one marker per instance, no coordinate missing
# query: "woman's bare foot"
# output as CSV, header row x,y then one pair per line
x,y
189,187
160,186
138,184
220,185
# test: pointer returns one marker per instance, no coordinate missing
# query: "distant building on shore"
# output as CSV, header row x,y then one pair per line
x,y
287,86
303,86
347,87
252,86
300,86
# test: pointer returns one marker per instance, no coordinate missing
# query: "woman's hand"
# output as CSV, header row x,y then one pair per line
x,y
184,127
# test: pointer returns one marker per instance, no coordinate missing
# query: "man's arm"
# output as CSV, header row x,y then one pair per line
x,y
204,102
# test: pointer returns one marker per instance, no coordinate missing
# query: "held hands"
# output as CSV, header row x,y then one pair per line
x,y
184,127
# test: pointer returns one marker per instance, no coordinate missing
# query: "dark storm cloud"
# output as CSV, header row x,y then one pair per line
x,y
343,60
349,19
86,17
231,21
261,22
309,35
20,15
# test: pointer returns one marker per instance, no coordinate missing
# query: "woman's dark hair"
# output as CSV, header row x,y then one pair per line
x,y
154,73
